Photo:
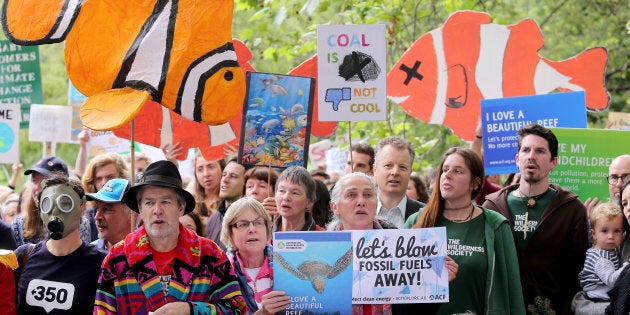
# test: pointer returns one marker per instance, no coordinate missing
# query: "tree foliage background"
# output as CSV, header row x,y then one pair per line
x,y
283,33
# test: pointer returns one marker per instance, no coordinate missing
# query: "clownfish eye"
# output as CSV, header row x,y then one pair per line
x,y
65,203
46,204
228,75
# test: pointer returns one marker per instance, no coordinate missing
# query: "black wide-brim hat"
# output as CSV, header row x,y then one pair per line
x,y
163,174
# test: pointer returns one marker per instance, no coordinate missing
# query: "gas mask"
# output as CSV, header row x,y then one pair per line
x,y
60,208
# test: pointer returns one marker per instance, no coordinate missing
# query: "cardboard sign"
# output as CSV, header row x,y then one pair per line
x,y
336,160
275,129
400,266
584,156
617,120
351,72
317,152
502,118
106,142
388,266
9,133
298,256
20,77
50,123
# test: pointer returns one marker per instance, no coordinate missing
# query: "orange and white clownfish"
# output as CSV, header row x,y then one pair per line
x,y
161,126
445,74
123,53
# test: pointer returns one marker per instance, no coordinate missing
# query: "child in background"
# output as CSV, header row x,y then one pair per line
x,y
603,264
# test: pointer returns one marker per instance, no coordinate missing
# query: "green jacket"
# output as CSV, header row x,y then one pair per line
x,y
503,285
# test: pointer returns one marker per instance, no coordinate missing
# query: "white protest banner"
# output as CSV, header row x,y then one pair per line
x,y
10,117
50,123
618,120
351,72
106,142
400,266
336,161
317,152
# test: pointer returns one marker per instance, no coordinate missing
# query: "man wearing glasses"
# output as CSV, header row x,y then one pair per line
x,y
162,267
618,175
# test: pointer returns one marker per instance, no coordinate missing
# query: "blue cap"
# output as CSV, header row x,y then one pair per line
x,y
112,192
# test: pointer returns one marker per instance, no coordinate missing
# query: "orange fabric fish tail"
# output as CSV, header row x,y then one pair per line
x,y
586,72
34,22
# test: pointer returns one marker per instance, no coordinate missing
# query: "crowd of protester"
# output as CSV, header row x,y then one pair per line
x,y
92,239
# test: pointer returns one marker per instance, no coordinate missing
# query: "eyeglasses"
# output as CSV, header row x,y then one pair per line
x,y
244,224
614,179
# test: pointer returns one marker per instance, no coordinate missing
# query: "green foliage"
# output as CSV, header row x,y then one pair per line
x,y
283,33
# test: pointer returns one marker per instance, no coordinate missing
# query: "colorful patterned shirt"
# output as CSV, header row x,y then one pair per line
x,y
129,282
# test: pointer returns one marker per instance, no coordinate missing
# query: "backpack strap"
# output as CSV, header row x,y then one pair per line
x,y
24,258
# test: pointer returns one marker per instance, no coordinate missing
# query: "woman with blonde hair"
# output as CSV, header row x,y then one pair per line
x,y
204,186
245,232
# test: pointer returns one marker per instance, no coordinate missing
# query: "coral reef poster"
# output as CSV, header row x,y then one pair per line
x,y
314,269
277,116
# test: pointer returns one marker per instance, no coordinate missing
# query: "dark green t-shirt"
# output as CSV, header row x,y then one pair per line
x,y
518,207
467,246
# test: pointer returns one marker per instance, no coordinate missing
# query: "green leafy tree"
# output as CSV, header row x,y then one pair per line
x,y
283,33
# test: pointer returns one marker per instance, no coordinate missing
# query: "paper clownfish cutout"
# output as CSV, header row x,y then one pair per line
x,y
161,126
445,74
122,53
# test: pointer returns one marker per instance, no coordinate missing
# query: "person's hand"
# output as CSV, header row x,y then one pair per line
x,y
452,267
273,302
590,204
174,308
84,136
172,151
230,152
270,205
17,167
478,130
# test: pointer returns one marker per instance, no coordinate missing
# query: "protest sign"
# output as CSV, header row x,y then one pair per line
x,y
388,266
502,118
617,120
9,133
20,77
106,142
351,72
584,156
75,99
317,152
50,123
275,129
336,159
313,268
400,266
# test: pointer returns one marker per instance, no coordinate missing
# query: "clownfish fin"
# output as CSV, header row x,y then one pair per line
x,y
112,109
51,23
586,72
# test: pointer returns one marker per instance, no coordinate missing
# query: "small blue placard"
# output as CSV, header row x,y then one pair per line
x,y
502,118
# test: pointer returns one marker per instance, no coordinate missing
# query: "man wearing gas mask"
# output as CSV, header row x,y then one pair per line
x,y
58,275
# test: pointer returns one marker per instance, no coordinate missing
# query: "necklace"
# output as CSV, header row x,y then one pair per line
x,y
531,203
469,215
459,208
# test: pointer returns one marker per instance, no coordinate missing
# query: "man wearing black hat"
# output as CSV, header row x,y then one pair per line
x,y
162,267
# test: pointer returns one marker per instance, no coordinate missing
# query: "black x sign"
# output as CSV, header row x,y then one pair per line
x,y
411,72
